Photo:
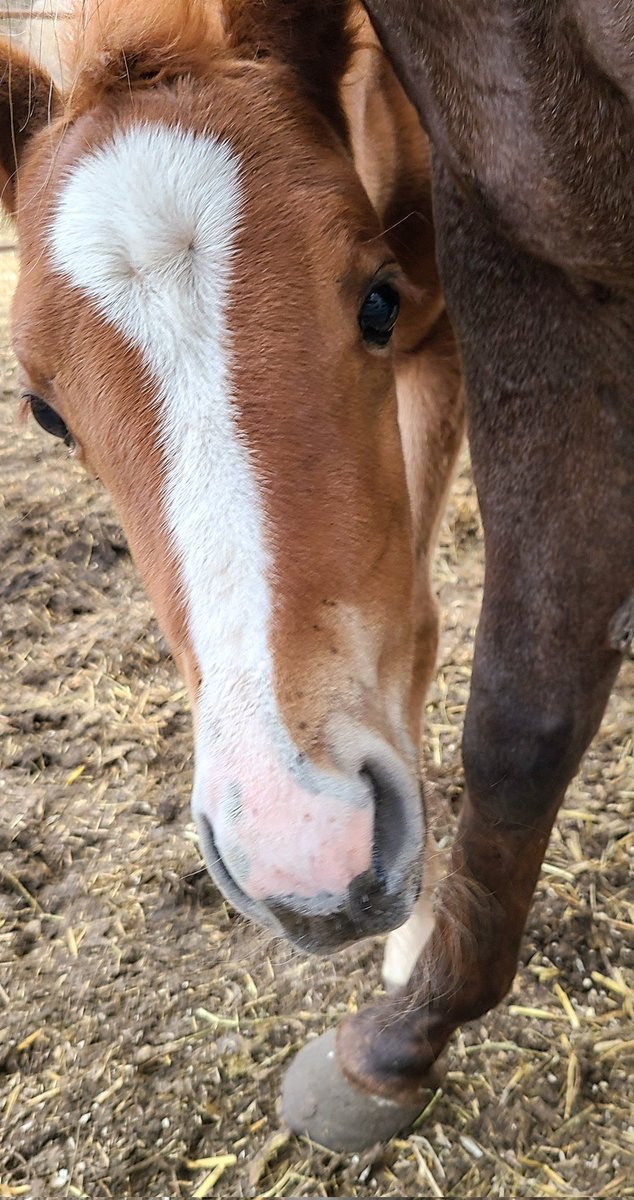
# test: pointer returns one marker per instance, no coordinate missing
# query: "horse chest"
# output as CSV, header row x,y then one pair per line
x,y
607,27
465,67
476,99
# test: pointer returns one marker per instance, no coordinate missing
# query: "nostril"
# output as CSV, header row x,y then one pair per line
x,y
222,876
377,863
397,826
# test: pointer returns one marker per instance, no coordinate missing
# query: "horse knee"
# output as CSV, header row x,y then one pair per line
x,y
519,753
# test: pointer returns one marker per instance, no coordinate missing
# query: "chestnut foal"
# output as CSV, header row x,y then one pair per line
x,y
218,223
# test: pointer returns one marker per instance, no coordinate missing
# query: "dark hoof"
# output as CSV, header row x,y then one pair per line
x,y
317,1100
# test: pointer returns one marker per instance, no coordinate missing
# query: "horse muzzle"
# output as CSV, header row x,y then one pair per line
x,y
323,867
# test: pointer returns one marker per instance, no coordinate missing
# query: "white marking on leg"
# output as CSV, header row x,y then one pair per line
x,y
404,945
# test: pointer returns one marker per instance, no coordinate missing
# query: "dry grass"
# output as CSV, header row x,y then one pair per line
x,y
144,1028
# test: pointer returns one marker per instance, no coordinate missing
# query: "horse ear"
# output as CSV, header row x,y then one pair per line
x,y
314,37
27,100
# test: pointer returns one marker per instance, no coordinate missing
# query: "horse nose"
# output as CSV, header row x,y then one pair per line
x,y
370,909
326,858
380,898
397,824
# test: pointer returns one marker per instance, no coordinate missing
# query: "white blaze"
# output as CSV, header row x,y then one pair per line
x,y
145,227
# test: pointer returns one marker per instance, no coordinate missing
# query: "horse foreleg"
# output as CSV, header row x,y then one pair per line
x,y
376,1076
465,968
552,451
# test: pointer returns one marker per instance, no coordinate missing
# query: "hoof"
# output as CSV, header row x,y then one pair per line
x,y
318,1101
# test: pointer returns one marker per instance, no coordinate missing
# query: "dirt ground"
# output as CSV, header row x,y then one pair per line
x,y
144,1028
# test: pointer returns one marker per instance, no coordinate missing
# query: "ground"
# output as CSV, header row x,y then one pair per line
x,y
144,1028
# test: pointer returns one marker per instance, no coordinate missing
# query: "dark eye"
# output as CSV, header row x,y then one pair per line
x,y
378,314
50,421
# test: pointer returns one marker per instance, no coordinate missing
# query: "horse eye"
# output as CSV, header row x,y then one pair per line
x,y
378,314
50,421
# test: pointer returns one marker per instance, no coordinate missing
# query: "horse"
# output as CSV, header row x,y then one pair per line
x,y
228,309
529,107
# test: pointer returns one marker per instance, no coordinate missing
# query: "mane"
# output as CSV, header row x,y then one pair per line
x,y
122,45
117,45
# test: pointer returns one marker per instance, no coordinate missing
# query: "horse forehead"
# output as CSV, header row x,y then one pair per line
x,y
152,213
